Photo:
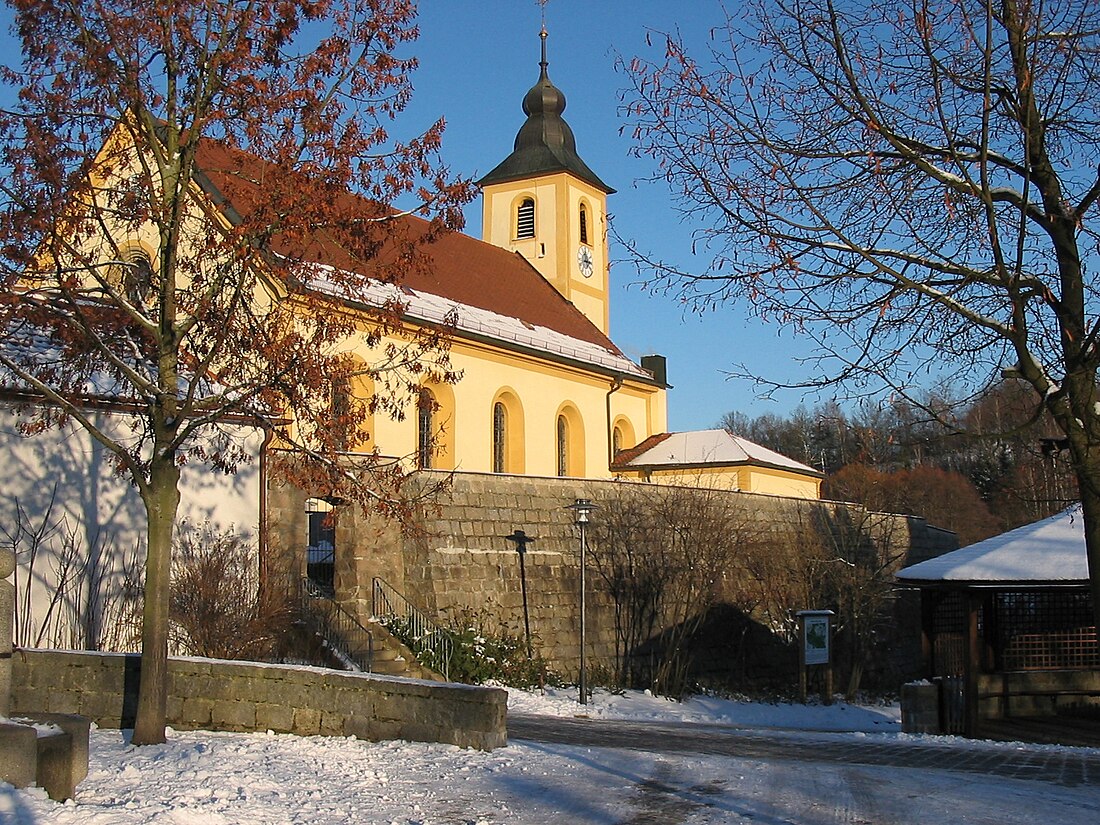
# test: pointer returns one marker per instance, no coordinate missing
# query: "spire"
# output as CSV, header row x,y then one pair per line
x,y
545,143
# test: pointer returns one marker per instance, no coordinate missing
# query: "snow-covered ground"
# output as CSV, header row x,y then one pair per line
x,y
202,778
641,706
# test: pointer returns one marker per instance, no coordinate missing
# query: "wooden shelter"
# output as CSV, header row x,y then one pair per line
x,y
1007,627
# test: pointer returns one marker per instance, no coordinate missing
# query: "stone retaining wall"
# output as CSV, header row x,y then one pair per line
x,y
239,696
459,560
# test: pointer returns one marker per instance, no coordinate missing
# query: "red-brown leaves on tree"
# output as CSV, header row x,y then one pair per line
x,y
194,191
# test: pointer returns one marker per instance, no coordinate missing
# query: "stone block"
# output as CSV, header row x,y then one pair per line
x,y
196,712
307,721
383,730
278,718
229,715
103,706
361,727
69,765
920,707
279,692
332,724
63,701
18,754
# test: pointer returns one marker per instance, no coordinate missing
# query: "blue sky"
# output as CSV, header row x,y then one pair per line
x,y
479,57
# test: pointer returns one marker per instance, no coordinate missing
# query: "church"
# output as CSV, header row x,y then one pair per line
x,y
544,391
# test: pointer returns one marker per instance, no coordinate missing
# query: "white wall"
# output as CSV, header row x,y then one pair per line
x,y
62,487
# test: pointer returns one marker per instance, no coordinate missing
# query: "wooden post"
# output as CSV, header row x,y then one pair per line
x,y
971,665
802,680
928,602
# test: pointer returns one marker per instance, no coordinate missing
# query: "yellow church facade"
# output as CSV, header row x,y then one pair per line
x,y
543,390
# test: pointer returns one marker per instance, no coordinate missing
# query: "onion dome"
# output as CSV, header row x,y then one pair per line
x,y
545,143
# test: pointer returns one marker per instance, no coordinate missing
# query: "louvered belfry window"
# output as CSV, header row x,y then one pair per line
x,y
584,224
525,219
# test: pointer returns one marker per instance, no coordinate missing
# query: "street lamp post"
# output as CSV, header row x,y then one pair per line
x,y
522,540
582,508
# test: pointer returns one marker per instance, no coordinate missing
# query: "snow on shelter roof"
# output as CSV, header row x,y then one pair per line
x,y
1051,551
713,448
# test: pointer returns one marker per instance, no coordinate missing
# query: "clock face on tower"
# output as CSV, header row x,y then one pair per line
x,y
584,261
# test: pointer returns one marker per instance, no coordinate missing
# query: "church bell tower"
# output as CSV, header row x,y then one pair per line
x,y
545,203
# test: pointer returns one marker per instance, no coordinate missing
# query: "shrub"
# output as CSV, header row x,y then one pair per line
x,y
218,608
481,651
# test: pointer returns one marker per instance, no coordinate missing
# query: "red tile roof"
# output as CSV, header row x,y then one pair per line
x,y
463,269
624,457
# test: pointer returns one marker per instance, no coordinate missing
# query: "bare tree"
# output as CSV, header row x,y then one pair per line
x,y
662,554
913,184
218,607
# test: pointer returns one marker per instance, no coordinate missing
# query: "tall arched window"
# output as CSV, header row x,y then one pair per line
x,y
339,410
563,446
425,428
500,437
525,219
584,223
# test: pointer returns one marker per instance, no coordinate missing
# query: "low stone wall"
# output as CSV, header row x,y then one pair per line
x,y
1037,692
238,696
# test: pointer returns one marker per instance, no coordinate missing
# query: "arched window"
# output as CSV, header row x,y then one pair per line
x,y
506,436
563,446
622,436
425,428
525,219
584,223
132,275
500,437
339,410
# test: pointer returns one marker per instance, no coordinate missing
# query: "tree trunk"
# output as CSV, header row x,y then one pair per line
x,y
161,504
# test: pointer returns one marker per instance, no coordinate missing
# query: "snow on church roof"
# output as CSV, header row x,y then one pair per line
x,y
711,448
424,306
1051,551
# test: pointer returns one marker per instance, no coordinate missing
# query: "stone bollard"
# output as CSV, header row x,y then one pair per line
x,y
48,749
920,707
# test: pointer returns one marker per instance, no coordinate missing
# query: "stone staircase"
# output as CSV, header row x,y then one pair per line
x,y
346,643
392,658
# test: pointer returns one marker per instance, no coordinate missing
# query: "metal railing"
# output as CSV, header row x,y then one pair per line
x,y
341,631
430,643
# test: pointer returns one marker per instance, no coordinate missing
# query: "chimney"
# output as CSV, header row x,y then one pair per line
x,y
656,366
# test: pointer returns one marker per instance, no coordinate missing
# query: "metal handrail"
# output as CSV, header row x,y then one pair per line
x,y
430,643
343,633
